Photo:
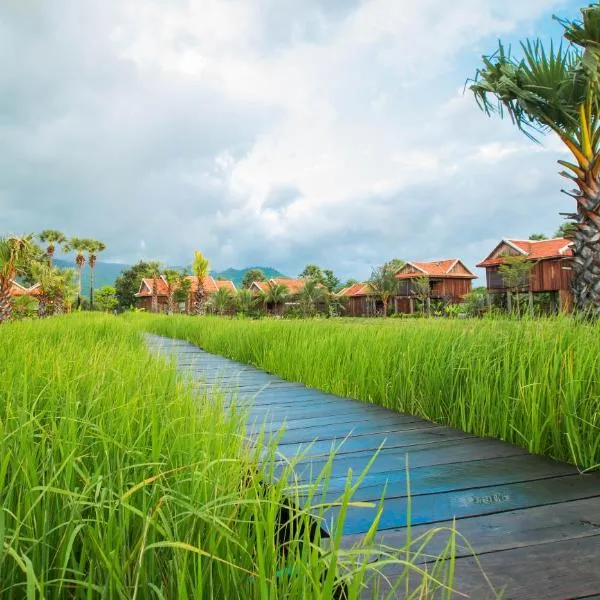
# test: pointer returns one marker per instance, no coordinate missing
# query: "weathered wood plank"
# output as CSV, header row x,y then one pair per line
x,y
434,508
500,531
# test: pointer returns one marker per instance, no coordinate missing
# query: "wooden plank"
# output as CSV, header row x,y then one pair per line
x,y
340,430
353,443
449,477
324,422
446,451
500,531
435,508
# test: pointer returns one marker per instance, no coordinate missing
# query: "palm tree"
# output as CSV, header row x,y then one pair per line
x,y
172,277
200,267
384,284
221,300
55,287
244,300
311,296
557,90
155,277
51,237
277,295
14,256
79,246
94,247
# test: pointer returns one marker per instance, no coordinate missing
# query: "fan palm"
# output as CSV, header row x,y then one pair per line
x,y
312,294
384,284
244,300
173,278
51,237
557,90
200,267
221,300
94,247
79,246
15,253
277,295
55,288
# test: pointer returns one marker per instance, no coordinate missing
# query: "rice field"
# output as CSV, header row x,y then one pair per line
x,y
535,383
117,481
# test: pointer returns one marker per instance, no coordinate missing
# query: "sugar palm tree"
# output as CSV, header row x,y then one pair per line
x,y
221,300
94,247
15,254
557,90
277,295
200,267
79,246
52,238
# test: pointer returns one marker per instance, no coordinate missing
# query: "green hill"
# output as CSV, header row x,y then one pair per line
x,y
107,273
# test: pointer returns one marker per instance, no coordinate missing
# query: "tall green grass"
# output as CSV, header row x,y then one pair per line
x,y
116,481
533,383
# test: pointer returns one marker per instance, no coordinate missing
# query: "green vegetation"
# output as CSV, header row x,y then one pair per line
x,y
533,383
556,90
117,482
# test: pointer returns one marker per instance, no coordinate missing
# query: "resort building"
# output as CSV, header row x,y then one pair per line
x,y
360,300
210,286
551,271
449,280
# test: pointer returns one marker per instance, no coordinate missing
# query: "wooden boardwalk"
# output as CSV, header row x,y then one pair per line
x,y
534,523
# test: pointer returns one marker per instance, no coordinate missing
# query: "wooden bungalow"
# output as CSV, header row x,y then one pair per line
x,y
449,280
551,273
144,295
360,300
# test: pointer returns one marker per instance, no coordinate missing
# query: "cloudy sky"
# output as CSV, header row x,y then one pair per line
x,y
270,132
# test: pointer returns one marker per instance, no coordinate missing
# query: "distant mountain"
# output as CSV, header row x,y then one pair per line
x,y
104,273
237,275
107,273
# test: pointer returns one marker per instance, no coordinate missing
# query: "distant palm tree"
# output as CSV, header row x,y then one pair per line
x,y
384,284
79,246
311,296
15,254
94,247
221,300
172,277
155,277
200,267
56,286
277,295
244,301
51,237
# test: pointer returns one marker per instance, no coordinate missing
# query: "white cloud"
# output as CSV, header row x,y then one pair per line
x,y
269,131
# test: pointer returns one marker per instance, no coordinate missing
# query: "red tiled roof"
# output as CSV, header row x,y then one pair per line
x,y
355,290
210,286
262,286
437,268
16,289
532,249
294,286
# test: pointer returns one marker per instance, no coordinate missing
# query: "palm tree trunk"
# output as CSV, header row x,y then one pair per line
x,y
170,304
154,304
586,238
5,306
385,306
59,304
199,299
79,273
92,266
509,301
42,306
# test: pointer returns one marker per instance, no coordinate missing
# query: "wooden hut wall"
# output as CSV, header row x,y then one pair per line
x,y
546,276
